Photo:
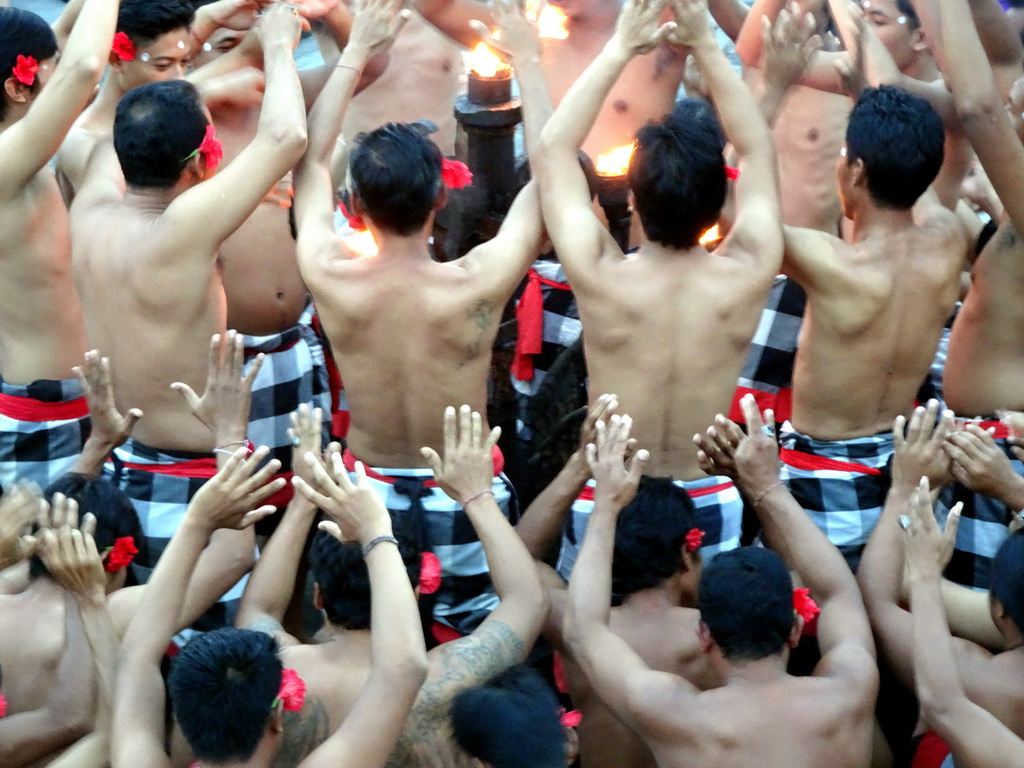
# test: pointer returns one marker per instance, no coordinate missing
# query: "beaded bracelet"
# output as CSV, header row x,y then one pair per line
x,y
379,540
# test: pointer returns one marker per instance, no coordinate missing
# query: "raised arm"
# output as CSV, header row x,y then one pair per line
x,y
230,499
579,237
375,27
398,658
109,428
226,200
27,145
980,107
977,738
453,18
843,629
757,230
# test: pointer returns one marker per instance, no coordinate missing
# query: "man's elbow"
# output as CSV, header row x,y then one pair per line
x,y
980,107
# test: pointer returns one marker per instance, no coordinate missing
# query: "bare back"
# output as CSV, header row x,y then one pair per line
x,y
804,722
41,317
32,640
668,335
411,337
985,364
871,328
152,311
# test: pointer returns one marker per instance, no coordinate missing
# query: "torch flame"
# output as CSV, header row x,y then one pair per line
x,y
483,61
616,162
552,23
710,236
362,243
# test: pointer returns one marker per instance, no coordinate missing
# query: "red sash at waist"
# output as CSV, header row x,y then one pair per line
x,y
587,494
350,464
530,320
29,409
811,463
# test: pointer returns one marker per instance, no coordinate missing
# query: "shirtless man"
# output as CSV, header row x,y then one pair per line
x,y
159,243
423,327
876,307
762,715
672,319
42,408
229,688
336,668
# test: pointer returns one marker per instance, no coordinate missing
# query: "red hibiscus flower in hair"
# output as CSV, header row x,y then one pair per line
x,y
693,539
293,690
25,70
570,719
211,148
123,47
356,222
455,175
3,707
732,173
804,605
430,573
120,555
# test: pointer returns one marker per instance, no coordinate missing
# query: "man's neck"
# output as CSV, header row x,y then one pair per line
x,y
760,672
872,219
264,756
150,199
394,247
923,69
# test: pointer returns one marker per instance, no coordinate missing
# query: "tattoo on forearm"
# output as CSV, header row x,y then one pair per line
x,y
304,731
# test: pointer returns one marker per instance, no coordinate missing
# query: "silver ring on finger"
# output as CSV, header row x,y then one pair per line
x,y
904,521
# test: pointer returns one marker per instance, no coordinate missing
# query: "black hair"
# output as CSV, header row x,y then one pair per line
x,y
701,112
22,33
900,139
907,10
511,721
146,20
746,601
1007,577
649,536
114,512
157,128
677,176
344,581
396,172
222,686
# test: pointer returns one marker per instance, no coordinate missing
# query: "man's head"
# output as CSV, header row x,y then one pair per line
x,y
223,686
342,580
894,150
115,515
158,128
159,31
220,41
395,178
677,177
897,26
23,33
650,538
1007,590
511,721
746,604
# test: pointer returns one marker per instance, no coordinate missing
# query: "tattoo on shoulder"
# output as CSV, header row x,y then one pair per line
x,y
304,731
481,315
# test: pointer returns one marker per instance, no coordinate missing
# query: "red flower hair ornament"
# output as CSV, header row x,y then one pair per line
x,y
455,175
693,539
120,555
804,605
570,719
430,573
356,222
293,691
123,47
25,70
210,150
732,173
3,707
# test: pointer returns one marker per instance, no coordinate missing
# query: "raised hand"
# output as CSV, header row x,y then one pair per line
x,y
927,547
377,24
467,467
757,454
691,23
232,497
788,46
282,24
71,558
851,69
306,435
224,406
921,452
716,450
357,513
639,28
20,507
109,427
235,14
616,482
516,36
980,464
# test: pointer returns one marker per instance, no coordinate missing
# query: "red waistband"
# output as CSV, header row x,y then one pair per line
x,y
587,494
1000,430
350,464
199,469
30,409
811,463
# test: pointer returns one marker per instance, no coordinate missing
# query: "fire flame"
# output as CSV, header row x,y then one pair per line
x,y
616,162
483,61
362,243
710,236
552,23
